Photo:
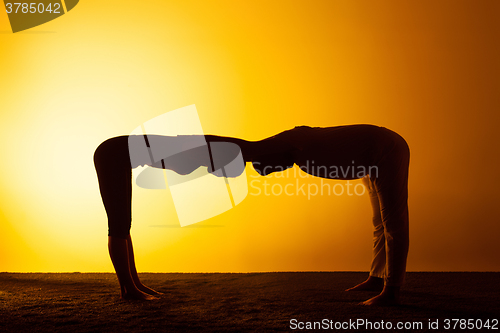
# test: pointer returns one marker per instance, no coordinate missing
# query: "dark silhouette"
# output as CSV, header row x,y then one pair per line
x,y
377,155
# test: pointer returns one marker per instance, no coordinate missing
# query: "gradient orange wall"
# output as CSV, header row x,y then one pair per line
x,y
429,70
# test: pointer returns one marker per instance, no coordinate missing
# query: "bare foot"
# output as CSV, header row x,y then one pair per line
x,y
148,290
137,295
371,284
389,296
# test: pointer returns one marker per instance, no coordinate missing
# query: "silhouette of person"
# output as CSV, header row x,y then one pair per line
x,y
381,158
377,155
114,160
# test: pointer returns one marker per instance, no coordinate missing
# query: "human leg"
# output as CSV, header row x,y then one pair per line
x,y
375,281
378,265
392,190
395,218
114,173
133,270
118,252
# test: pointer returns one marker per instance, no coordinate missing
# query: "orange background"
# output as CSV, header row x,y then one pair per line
x,y
429,70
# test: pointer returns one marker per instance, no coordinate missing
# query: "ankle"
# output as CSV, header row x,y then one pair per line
x,y
391,291
375,279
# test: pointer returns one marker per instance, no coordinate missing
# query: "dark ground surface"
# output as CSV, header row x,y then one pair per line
x,y
220,302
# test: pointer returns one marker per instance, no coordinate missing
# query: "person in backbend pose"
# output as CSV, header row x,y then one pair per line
x,y
317,151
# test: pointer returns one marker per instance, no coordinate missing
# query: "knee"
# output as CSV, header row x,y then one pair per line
x,y
119,230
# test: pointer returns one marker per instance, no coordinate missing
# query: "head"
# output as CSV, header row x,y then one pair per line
x,y
266,164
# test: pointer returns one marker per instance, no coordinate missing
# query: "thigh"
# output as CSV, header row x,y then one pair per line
x,y
391,185
114,174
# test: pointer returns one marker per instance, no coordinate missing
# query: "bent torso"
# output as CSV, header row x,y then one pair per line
x,y
341,152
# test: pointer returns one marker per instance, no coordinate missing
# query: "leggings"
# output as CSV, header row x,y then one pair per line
x,y
114,172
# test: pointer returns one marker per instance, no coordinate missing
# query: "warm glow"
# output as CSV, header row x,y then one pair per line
x,y
425,69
